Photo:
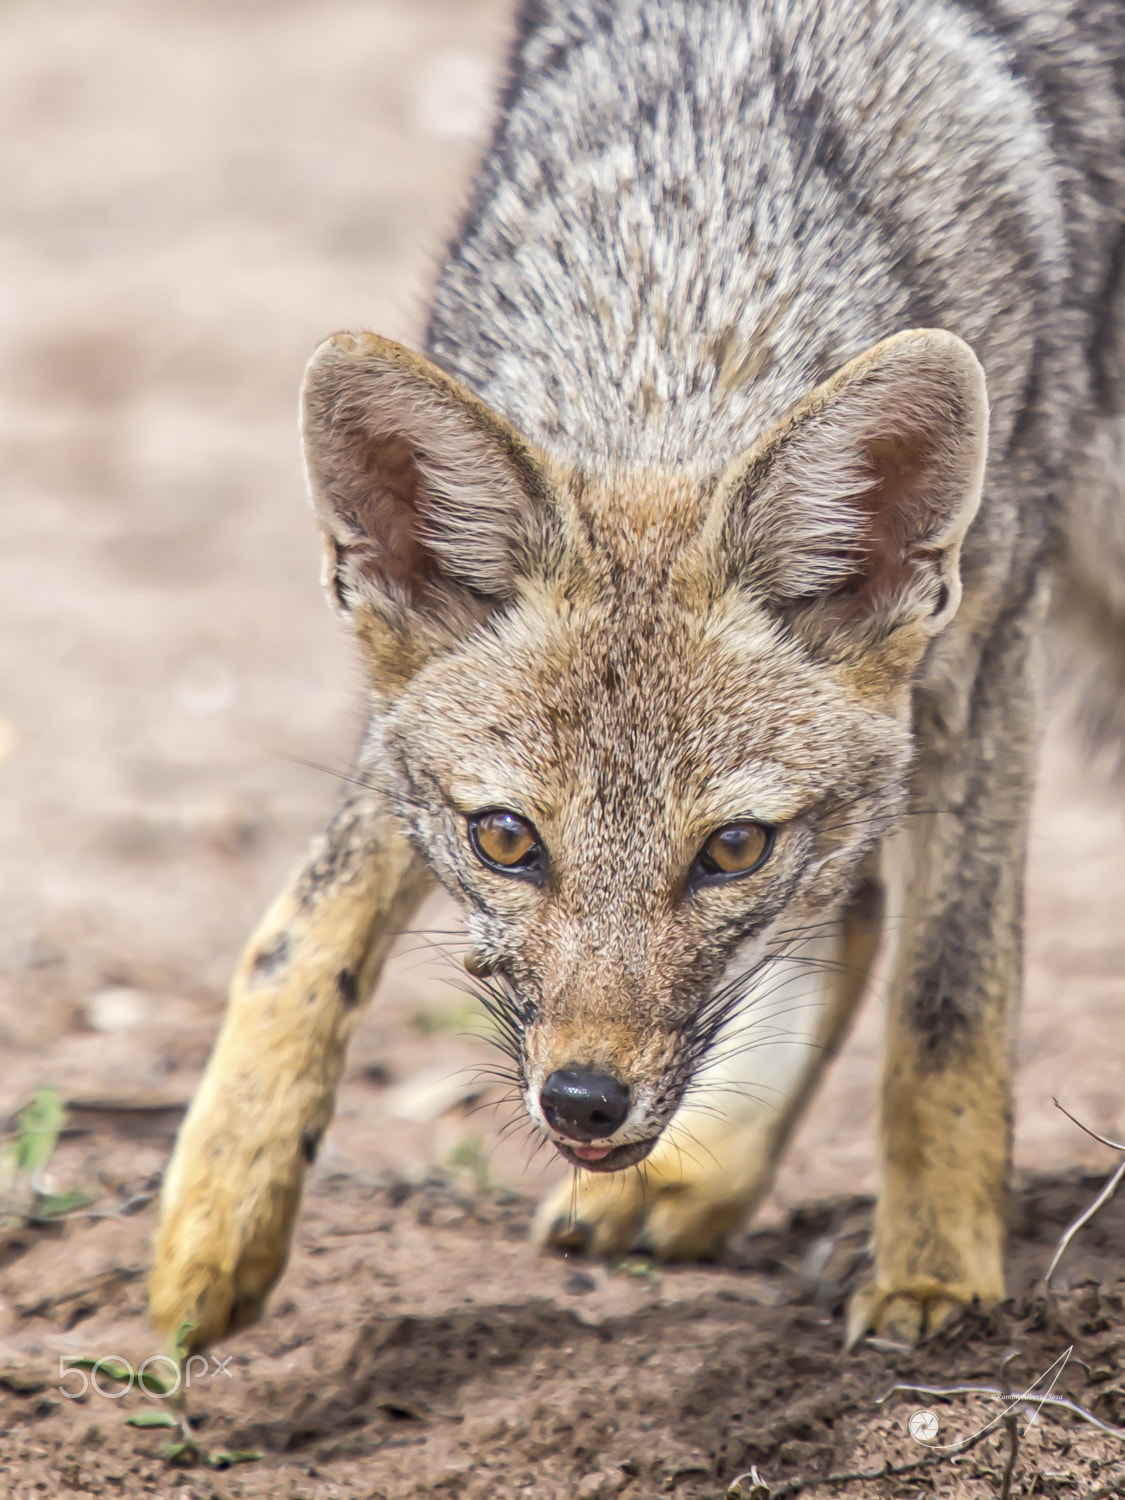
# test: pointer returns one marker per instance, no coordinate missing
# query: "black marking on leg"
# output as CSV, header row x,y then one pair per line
x,y
866,904
341,842
270,958
347,987
946,1003
245,1311
310,1144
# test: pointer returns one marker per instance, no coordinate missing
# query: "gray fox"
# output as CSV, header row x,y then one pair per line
x,y
701,570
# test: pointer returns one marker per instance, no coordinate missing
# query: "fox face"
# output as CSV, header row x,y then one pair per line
x,y
625,794
644,727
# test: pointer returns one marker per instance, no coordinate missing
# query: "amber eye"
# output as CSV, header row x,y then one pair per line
x,y
734,850
507,843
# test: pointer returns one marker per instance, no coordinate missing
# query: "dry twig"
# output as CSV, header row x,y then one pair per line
x,y
1010,1424
992,1390
886,1470
759,1489
1103,1197
1110,1488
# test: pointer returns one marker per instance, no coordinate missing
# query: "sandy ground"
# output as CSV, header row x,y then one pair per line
x,y
193,195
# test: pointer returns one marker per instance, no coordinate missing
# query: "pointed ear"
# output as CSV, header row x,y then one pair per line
x,y
429,503
848,516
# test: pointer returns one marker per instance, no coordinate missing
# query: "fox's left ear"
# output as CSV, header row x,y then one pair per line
x,y
848,517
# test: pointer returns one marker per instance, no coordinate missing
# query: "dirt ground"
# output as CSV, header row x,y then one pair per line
x,y
194,194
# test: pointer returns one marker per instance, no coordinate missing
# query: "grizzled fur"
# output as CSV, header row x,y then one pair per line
x,y
687,520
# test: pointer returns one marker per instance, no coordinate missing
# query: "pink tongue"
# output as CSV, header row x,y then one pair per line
x,y
591,1153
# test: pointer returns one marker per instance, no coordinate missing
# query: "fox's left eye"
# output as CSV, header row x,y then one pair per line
x,y
508,843
737,849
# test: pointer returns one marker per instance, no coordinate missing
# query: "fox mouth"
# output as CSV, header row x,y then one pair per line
x,y
605,1158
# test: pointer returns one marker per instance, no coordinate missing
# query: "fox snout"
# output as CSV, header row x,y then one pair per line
x,y
582,1107
601,1093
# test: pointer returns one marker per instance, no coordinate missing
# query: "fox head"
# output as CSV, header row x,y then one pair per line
x,y
645,727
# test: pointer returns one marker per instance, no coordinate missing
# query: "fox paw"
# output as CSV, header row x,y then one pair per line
x,y
905,1316
227,1214
931,1262
205,1276
610,1215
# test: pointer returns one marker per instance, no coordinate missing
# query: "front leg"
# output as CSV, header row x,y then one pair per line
x,y
234,1182
955,898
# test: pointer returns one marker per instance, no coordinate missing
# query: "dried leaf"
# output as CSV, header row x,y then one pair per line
x,y
151,1419
113,1369
226,1458
38,1125
47,1206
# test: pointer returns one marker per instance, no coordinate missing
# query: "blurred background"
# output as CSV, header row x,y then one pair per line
x,y
191,196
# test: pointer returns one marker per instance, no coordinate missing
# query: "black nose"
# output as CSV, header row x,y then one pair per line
x,y
588,1105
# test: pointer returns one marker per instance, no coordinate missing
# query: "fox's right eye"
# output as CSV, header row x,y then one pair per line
x,y
506,842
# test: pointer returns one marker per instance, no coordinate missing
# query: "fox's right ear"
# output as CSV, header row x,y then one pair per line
x,y
430,504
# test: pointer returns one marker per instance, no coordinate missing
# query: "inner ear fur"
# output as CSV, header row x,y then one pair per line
x,y
848,517
429,502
